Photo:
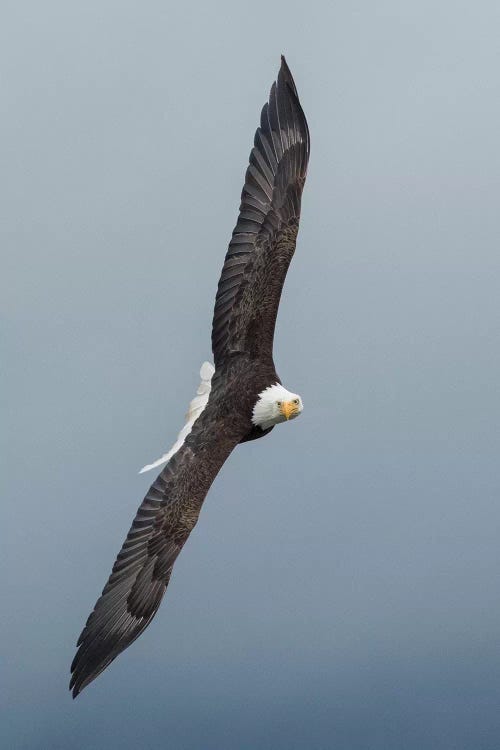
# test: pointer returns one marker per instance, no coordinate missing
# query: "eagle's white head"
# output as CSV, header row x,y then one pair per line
x,y
274,405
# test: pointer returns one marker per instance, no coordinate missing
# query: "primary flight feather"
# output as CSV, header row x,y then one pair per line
x,y
242,399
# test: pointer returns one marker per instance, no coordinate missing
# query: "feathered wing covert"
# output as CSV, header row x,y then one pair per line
x,y
248,296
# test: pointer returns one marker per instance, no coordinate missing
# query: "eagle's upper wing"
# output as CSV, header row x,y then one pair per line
x,y
263,240
143,567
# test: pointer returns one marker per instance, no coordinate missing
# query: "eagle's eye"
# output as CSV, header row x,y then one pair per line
x,y
278,403
295,400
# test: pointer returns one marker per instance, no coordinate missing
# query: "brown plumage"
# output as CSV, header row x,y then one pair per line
x,y
263,240
246,306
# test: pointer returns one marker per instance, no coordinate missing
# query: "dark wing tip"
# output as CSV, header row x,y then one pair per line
x,y
75,691
287,90
81,676
76,685
286,75
101,645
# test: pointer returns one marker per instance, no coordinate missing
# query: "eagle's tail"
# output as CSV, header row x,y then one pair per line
x,y
195,408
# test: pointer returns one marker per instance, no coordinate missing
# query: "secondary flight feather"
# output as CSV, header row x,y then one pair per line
x,y
241,399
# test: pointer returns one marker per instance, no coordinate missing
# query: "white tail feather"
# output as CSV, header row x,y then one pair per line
x,y
195,408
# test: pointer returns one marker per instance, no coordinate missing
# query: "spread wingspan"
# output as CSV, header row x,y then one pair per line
x,y
247,301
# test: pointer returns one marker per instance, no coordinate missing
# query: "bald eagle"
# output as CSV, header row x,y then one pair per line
x,y
240,398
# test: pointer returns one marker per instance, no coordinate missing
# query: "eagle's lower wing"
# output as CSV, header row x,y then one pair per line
x,y
143,567
263,240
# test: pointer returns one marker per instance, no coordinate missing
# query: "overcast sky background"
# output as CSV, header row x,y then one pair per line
x,y
342,588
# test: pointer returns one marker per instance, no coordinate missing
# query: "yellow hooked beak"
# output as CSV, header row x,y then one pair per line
x,y
289,409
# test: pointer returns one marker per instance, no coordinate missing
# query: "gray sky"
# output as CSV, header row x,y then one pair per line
x,y
342,588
